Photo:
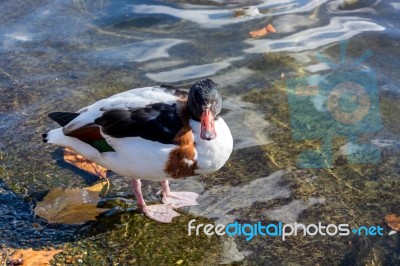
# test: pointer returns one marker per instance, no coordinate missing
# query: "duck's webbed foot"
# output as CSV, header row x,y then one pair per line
x,y
162,213
177,199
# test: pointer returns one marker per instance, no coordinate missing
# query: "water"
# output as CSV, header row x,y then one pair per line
x,y
63,55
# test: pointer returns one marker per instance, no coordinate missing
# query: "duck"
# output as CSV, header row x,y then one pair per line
x,y
158,133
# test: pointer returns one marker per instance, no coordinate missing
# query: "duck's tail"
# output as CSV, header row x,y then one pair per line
x,y
62,118
57,137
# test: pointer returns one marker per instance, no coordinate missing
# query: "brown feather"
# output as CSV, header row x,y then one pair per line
x,y
87,133
177,166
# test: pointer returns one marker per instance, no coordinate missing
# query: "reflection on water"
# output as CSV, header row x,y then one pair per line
x,y
219,201
67,54
136,52
290,213
223,17
189,72
247,124
339,29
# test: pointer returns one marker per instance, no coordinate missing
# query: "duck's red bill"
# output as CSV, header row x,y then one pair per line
x,y
207,126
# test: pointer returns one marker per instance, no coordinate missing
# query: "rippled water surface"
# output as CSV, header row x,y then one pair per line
x,y
63,55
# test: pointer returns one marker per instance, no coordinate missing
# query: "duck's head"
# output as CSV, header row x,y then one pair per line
x,y
205,103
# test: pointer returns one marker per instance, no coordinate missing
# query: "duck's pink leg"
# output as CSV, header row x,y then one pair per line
x,y
161,212
177,199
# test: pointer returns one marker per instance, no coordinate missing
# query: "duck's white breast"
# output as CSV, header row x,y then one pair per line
x,y
212,154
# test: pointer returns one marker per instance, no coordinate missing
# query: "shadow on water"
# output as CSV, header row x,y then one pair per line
x,y
58,157
20,228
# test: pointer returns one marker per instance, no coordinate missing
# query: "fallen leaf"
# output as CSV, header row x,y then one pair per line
x,y
259,33
71,206
393,221
271,28
262,32
84,164
30,257
98,187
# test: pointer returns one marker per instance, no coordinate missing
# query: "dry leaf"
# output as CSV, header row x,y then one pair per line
x,y
262,32
271,28
30,257
71,206
179,262
259,33
84,164
393,221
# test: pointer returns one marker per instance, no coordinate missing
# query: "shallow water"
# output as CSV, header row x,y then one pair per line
x,y
62,55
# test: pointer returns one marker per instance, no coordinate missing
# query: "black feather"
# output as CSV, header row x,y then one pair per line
x,y
157,122
63,118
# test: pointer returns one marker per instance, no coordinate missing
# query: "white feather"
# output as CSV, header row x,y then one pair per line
x,y
212,154
139,158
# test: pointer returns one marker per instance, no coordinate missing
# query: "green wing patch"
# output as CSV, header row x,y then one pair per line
x,y
102,146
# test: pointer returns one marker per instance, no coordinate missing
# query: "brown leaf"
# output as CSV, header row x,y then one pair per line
x,y
262,32
30,257
84,164
71,206
393,221
271,28
259,33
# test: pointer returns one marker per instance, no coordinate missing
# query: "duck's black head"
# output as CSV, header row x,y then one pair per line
x,y
205,103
